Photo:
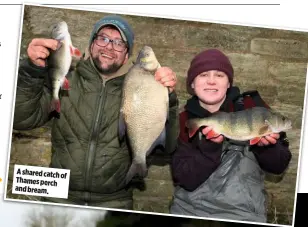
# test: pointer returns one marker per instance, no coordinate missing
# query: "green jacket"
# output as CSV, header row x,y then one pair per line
x,y
85,138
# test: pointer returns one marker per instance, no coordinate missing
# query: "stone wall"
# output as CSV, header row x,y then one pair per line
x,y
272,61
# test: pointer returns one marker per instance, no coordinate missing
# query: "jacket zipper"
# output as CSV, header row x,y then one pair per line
x,y
92,146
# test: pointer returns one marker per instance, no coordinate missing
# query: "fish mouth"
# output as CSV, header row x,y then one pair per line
x,y
59,29
59,33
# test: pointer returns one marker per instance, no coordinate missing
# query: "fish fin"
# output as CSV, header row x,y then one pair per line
x,y
192,127
55,105
268,124
55,109
160,140
75,51
139,169
66,84
254,140
212,134
263,129
168,114
59,45
122,126
192,132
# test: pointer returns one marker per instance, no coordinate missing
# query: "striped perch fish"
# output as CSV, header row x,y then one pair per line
x,y
246,125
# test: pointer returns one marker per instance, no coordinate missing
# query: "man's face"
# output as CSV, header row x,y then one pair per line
x,y
107,59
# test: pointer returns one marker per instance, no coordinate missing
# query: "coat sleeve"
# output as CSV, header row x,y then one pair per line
x,y
32,97
192,165
172,125
274,158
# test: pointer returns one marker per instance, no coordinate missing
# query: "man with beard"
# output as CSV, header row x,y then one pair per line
x,y
85,137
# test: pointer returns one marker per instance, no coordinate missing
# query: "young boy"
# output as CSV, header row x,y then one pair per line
x,y
215,177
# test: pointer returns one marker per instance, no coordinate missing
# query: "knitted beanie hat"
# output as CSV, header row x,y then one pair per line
x,y
211,59
122,25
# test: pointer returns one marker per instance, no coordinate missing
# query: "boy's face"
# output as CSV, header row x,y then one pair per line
x,y
211,87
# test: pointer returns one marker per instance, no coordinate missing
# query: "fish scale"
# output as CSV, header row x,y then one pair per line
x,y
137,113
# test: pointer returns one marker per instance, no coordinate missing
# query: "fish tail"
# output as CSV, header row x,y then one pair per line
x,y
193,125
55,108
139,169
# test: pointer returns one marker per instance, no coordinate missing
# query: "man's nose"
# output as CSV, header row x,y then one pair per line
x,y
109,46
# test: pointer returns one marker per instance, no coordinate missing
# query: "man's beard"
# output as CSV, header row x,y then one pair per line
x,y
111,69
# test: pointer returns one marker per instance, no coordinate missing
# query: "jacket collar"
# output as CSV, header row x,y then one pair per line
x,y
194,109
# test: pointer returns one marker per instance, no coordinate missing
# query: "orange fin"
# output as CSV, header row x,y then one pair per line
x,y
255,140
192,126
192,131
212,134
75,51
66,85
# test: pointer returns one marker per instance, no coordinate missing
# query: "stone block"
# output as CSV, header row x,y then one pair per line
x,y
156,188
29,151
283,48
159,173
294,112
149,204
291,94
289,72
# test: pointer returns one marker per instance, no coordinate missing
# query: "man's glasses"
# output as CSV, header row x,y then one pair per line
x,y
117,44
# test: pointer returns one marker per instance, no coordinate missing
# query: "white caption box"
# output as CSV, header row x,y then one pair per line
x,y
41,181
